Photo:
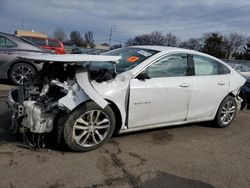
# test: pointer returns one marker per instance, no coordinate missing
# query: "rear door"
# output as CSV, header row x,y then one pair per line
x,y
210,86
164,96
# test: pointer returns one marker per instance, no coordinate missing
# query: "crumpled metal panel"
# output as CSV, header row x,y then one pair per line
x,y
82,78
37,121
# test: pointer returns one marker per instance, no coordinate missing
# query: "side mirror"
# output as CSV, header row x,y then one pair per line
x,y
143,76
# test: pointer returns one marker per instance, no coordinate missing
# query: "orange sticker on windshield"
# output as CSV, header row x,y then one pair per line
x,y
133,59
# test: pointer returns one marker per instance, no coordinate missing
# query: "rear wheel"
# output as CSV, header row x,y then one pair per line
x,y
88,127
226,112
21,73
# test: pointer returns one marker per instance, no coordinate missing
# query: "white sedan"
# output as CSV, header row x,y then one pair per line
x,y
244,70
86,98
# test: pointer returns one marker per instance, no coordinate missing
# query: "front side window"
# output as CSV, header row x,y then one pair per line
x,y
170,66
6,43
205,66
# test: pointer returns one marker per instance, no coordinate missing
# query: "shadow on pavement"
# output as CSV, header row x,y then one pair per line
x,y
162,179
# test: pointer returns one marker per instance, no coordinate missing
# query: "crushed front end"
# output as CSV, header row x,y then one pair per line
x,y
57,89
35,105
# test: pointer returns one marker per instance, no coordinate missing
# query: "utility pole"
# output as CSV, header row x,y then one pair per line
x,y
112,29
22,24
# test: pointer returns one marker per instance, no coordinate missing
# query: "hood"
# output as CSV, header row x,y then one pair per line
x,y
71,58
82,73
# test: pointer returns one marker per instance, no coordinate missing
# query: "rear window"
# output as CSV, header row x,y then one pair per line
x,y
37,41
53,43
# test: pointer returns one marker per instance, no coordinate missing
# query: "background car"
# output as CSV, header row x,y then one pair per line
x,y
246,93
12,67
244,70
48,43
78,50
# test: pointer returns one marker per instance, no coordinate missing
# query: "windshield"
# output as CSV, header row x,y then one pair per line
x,y
130,57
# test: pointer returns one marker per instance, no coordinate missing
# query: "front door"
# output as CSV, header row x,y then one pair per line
x,y
162,97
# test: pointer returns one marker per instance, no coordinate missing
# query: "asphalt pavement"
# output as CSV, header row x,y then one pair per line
x,y
195,155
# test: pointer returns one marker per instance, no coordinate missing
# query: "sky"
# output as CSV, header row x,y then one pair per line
x,y
184,18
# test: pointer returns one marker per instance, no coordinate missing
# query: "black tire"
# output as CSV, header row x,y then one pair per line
x,y
68,131
27,71
221,112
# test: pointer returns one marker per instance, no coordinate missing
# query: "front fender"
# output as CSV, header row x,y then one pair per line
x,y
82,91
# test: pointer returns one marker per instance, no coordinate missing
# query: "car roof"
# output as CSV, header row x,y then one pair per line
x,y
2,33
163,48
167,49
8,35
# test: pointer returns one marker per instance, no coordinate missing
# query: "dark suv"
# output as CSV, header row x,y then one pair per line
x,y
16,69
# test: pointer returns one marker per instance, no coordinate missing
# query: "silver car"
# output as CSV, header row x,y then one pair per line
x,y
16,69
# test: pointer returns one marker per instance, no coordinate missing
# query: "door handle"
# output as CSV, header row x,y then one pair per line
x,y
221,83
185,85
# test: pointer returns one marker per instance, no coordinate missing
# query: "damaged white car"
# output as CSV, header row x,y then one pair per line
x,y
86,98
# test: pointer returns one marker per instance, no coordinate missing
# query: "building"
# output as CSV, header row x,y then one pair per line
x,y
31,33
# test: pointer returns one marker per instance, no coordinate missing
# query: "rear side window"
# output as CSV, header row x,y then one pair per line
x,y
223,69
53,43
205,66
6,43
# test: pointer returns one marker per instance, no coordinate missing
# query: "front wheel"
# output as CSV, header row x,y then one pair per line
x,y
226,112
88,127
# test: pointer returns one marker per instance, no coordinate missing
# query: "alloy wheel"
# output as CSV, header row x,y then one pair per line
x,y
91,128
227,112
22,74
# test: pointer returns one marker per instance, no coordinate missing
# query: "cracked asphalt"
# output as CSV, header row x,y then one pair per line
x,y
195,155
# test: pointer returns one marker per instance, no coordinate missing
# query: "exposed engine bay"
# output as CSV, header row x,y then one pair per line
x,y
55,89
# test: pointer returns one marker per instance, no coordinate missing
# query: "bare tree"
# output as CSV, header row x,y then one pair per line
x,y
139,40
154,38
170,40
192,44
76,38
232,43
60,34
157,38
89,39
